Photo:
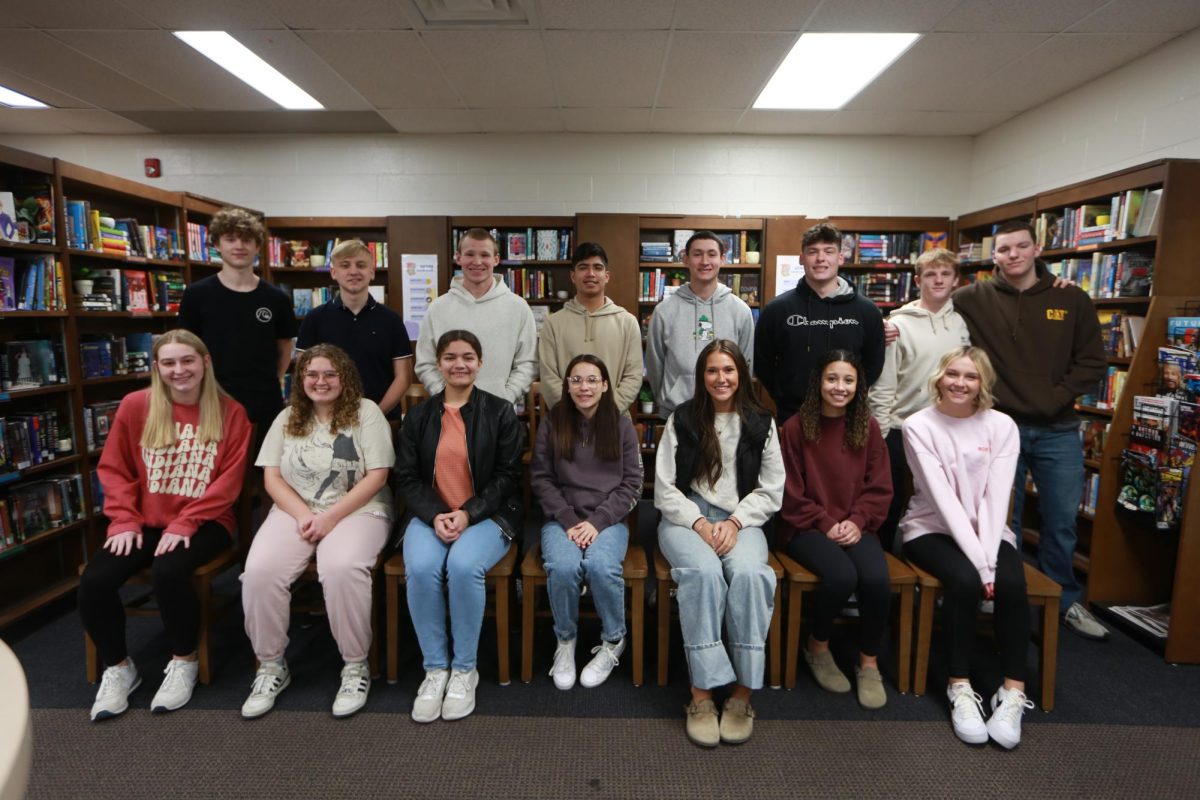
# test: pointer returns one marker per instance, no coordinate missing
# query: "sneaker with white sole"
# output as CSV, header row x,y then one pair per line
x,y
1008,706
604,658
563,670
428,705
176,688
112,699
460,694
966,713
352,694
1081,621
271,679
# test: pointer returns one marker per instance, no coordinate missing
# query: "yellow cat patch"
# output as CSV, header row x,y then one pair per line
x,y
1056,314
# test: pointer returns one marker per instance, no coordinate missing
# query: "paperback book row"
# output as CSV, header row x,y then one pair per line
x,y
298,253
1130,214
27,214
30,439
889,248
97,422
1087,500
32,284
743,284
532,284
198,248
1120,332
39,506
885,287
658,283
32,363
128,290
1103,275
527,244
668,247
109,354
1108,391
91,229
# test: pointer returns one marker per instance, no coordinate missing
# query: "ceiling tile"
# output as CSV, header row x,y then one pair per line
x,y
880,16
643,15
746,15
38,91
720,70
434,120
362,15
916,123
1142,16
519,120
279,121
292,56
1017,16
391,69
694,120
92,14
606,69
606,120
494,69
764,120
205,15
65,120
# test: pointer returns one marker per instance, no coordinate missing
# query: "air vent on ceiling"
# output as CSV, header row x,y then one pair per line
x,y
459,13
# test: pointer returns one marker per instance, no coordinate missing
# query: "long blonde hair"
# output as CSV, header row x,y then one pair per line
x,y
159,431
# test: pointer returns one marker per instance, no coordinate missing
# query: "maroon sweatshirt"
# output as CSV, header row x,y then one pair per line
x,y
828,482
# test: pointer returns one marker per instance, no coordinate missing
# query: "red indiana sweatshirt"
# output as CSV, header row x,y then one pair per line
x,y
175,488
827,482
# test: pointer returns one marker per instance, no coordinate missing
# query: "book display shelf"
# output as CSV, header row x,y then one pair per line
x,y
535,256
298,250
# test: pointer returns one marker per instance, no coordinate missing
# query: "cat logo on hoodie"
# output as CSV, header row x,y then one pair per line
x,y
1056,314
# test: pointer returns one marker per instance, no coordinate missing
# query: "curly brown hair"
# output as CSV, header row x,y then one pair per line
x,y
858,413
236,220
345,408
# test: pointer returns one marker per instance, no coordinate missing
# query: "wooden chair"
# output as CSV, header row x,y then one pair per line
x,y
800,580
499,580
202,580
1042,592
662,575
636,569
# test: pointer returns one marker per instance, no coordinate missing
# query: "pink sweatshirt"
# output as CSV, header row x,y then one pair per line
x,y
963,473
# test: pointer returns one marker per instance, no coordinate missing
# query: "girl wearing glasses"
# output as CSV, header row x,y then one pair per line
x,y
326,459
587,475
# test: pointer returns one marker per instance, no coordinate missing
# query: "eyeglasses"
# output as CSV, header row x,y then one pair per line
x,y
329,375
590,380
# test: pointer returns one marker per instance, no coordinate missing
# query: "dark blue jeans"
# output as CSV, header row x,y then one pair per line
x,y
1055,457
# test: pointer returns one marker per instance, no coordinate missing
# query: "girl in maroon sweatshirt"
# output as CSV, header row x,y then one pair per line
x,y
836,496
171,470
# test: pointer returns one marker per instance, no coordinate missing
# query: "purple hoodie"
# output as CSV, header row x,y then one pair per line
x,y
587,489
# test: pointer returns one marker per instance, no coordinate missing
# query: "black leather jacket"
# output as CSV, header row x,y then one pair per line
x,y
495,443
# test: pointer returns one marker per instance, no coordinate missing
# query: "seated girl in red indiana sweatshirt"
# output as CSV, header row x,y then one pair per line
x,y
837,493
171,470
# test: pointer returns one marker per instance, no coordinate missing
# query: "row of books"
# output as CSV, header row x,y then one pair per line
x,y
30,214
38,506
32,363
97,422
305,300
527,244
1130,214
651,434
532,284
91,229
744,284
32,284
130,290
884,287
657,285
1120,332
198,248
1103,275
28,439
891,248
109,355
298,253
1108,391
668,248
976,251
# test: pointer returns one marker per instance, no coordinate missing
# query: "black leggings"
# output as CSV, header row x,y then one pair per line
x,y
898,462
100,605
962,589
860,567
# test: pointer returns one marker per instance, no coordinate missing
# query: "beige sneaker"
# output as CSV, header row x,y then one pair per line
x,y
870,688
702,725
826,672
737,721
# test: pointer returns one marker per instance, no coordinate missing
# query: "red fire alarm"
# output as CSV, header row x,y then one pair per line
x,y
153,168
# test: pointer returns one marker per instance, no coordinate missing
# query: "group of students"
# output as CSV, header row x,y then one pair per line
x,y
725,473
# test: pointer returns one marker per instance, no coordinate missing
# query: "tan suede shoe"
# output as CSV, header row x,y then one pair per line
x,y
737,721
702,725
870,688
828,676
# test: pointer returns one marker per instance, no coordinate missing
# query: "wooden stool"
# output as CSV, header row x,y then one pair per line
x,y
499,579
1042,592
902,580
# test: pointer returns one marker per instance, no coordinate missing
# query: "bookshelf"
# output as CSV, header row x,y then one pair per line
x,y
293,242
880,253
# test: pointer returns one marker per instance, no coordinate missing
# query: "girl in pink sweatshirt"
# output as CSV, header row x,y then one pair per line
x,y
963,456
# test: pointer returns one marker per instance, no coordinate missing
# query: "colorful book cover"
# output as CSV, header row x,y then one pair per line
x,y
1173,364
1138,482
516,247
137,292
1188,424
1184,332
8,284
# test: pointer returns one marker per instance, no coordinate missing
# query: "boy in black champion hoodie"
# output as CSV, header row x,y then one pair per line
x,y
822,313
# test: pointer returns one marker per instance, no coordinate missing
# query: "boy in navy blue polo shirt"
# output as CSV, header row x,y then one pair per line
x,y
370,332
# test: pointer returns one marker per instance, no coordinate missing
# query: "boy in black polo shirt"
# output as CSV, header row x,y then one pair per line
x,y
370,332
246,323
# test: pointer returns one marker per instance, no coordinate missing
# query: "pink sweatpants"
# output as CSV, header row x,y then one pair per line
x,y
344,560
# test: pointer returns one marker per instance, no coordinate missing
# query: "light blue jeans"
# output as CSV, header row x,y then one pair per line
x,y
601,565
1055,457
737,588
431,566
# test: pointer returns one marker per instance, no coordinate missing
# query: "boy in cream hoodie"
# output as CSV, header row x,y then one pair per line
x,y
929,328
480,302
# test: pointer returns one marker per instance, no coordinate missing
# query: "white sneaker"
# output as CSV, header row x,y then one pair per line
x,y
116,684
1008,706
269,681
601,666
966,713
1081,621
352,695
176,689
460,694
428,705
563,670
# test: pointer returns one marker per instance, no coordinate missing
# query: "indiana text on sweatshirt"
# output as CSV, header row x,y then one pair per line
x,y
1044,343
800,326
962,477
174,488
908,362
504,325
610,333
681,327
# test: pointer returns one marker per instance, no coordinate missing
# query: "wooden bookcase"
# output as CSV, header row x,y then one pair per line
x,y
897,284
530,272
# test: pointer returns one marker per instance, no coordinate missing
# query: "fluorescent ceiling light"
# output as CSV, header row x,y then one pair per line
x,y
240,60
826,70
17,100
